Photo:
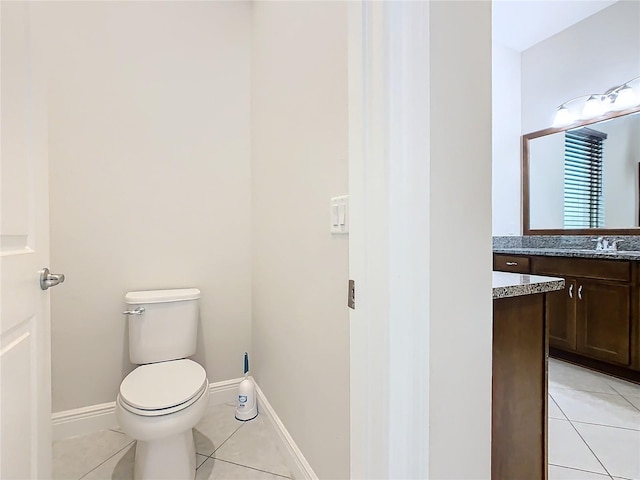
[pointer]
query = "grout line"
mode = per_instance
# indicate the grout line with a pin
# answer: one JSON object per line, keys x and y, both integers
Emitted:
{"x": 607, "y": 426}
{"x": 220, "y": 446}
{"x": 585, "y": 442}
{"x": 632, "y": 404}
{"x": 117, "y": 431}
{"x": 580, "y": 470}
{"x": 556, "y": 403}
{"x": 252, "y": 468}
{"x": 589, "y": 447}
{"x": 105, "y": 461}
{"x": 205, "y": 457}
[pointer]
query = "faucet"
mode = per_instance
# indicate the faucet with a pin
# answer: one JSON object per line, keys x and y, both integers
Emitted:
{"x": 604, "y": 244}
{"x": 601, "y": 244}
{"x": 614, "y": 245}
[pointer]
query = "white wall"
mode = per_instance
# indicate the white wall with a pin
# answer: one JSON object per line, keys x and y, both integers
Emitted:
{"x": 590, "y": 57}
{"x": 150, "y": 179}
{"x": 506, "y": 130}
{"x": 300, "y": 272}
{"x": 460, "y": 242}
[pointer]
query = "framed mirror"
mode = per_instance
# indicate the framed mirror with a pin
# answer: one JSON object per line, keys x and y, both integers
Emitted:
{"x": 583, "y": 179}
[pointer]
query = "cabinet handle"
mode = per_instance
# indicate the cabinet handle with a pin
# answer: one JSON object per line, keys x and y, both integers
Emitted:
{"x": 571, "y": 291}
{"x": 512, "y": 264}
{"x": 580, "y": 292}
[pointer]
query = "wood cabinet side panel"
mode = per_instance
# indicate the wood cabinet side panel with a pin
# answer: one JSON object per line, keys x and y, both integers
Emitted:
{"x": 519, "y": 388}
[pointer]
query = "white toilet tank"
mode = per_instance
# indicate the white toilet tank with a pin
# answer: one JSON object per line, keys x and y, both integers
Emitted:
{"x": 168, "y": 328}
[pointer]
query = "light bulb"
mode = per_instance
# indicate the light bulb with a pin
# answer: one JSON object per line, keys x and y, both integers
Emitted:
{"x": 593, "y": 107}
{"x": 563, "y": 117}
{"x": 625, "y": 98}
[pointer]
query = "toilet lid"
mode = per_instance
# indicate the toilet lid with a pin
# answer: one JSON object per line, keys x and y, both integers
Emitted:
{"x": 158, "y": 386}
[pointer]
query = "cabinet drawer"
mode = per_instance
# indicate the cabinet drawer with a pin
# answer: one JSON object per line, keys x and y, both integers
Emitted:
{"x": 511, "y": 263}
{"x": 582, "y": 267}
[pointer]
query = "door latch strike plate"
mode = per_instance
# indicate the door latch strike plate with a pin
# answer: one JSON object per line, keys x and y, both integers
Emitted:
{"x": 351, "y": 301}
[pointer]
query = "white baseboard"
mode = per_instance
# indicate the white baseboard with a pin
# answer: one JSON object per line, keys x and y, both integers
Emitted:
{"x": 297, "y": 464}
{"x": 81, "y": 421}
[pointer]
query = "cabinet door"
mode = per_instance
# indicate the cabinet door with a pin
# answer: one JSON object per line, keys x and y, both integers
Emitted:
{"x": 560, "y": 312}
{"x": 604, "y": 320}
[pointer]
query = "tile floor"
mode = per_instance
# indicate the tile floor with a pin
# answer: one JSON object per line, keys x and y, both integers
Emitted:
{"x": 594, "y": 434}
{"x": 226, "y": 449}
{"x": 594, "y": 425}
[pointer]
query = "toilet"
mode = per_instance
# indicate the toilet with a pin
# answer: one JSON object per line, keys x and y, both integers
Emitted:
{"x": 167, "y": 394}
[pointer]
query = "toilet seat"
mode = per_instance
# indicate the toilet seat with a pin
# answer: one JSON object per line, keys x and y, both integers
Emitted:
{"x": 163, "y": 388}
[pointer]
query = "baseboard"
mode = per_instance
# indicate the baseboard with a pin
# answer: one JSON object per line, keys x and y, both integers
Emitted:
{"x": 297, "y": 464}
{"x": 85, "y": 420}
{"x": 81, "y": 421}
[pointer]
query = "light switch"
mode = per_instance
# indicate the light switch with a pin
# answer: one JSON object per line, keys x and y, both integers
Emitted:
{"x": 334, "y": 216}
{"x": 340, "y": 214}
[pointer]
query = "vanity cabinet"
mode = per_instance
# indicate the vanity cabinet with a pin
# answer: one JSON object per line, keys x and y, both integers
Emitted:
{"x": 603, "y": 321}
{"x": 560, "y": 311}
{"x": 594, "y": 319}
{"x": 511, "y": 263}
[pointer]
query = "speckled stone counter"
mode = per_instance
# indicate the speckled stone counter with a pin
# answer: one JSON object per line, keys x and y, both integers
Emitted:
{"x": 516, "y": 284}
{"x": 577, "y": 246}
{"x": 572, "y": 252}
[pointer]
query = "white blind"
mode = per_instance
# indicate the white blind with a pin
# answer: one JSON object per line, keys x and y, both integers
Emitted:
{"x": 583, "y": 158}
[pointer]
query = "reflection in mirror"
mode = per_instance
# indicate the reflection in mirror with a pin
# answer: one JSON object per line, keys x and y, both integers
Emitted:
{"x": 584, "y": 178}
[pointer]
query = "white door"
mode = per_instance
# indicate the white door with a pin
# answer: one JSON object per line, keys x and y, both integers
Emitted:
{"x": 25, "y": 365}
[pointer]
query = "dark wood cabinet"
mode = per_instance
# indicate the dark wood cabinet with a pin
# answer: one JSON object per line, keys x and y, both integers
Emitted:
{"x": 595, "y": 319}
{"x": 511, "y": 263}
{"x": 560, "y": 311}
{"x": 603, "y": 315}
{"x": 519, "y": 388}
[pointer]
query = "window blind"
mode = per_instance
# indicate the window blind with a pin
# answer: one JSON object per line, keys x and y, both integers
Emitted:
{"x": 583, "y": 158}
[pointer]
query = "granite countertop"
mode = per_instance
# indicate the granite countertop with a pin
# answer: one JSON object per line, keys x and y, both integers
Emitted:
{"x": 571, "y": 252}
{"x": 516, "y": 284}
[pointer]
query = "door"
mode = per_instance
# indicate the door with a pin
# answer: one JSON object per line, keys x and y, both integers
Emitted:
{"x": 25, "y": 379}
{"x": 604, "y": 321}
{"x": 560, "y": 311}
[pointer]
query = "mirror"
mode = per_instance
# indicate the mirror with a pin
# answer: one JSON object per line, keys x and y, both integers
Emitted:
{"x": 550, "y": 179}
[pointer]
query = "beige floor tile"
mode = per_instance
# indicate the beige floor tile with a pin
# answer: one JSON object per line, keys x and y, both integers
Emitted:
{"x": 597, "y": 408}
{"x": 76, "y": 456}
{"x": 635, "y": 401}
{"x": 254, "y": 446}
{"x": 623, "y": 387}
{"x": 218, "y": 424}
{"x": 618, "y": 449}
{"x": 553, "y": 410}
{"x": 566, "y": 448}
{"x": 565, "y": 473}
{"x": 567, "y": 376}
{"x": 118, "y": 467}
{"x": 215, "y": 469}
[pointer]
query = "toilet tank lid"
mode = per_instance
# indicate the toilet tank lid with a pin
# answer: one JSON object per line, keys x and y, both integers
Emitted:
{"x": 161, "y": 296}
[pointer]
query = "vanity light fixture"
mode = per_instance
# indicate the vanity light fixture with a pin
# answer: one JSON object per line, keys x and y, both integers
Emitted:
{"x": 616, "y": 98}
{"x": 625, "y": 98}
{"x": 593, "y": 107}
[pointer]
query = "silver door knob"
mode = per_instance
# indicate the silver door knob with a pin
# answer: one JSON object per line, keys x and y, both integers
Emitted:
{"x": 137, "y": 311}
{"x": 48, "y": 279}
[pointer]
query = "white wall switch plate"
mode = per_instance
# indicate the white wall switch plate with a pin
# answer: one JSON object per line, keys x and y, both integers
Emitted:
{"x": 339, "y": 214}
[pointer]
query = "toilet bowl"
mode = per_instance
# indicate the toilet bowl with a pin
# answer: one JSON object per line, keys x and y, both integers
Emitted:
{"x": 158, "y": 405}
{"x": 161, "y": 400}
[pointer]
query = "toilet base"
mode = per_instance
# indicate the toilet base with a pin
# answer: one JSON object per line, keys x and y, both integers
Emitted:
{"x": 168, "y": 458}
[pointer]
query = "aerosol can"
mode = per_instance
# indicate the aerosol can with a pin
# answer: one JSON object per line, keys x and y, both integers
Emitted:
{"x": 247, "y": 408}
